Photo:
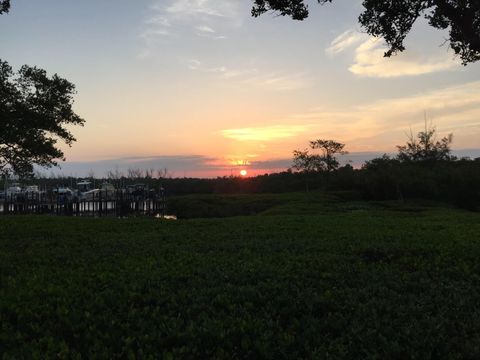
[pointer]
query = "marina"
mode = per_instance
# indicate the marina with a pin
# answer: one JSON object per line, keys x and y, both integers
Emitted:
{"x": 83, "y": 200}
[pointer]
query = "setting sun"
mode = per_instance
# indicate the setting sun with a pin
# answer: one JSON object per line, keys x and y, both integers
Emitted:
{"x": 243, "y": 172}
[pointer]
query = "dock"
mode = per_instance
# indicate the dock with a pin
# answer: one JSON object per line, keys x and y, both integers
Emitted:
{"x": 117, "y": 203}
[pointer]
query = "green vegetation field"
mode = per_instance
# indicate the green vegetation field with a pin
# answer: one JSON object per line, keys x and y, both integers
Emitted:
{"x": 305, "y": 278}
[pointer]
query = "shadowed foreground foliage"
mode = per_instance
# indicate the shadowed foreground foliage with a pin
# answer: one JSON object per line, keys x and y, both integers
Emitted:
{"x": 343, "y": 282}
{"x": 36, "y": 114}
{"x": 4, "y": 6}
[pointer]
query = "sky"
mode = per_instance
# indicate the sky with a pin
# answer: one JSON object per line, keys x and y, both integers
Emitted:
{"x": 201, "y": 88}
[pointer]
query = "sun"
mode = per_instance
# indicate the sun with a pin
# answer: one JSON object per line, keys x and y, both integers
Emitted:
{"x": 243, "y": 173}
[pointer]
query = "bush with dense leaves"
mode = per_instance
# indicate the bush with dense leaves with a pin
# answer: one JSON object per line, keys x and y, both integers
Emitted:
{"x": 348, "y": 282}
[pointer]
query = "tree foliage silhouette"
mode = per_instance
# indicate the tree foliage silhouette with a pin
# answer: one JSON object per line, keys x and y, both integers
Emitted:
{"x": 426, "y": 148}
{"x": 325, "y": 161}
{"x": 35, "y": 112}
{"x": 4, "y": 6}
{"x": 393, "y": 20}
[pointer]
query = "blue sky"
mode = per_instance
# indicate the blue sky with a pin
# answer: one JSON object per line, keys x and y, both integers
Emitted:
{"x": 163, "y": 81}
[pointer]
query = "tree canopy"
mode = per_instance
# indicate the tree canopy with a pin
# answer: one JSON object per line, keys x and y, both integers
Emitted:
{"x": 35, "y": 111}
{"x": 426, "y": 148}
{"x": 325, "y": 161}
{"x": 4, "y": 6}
{"x": 392, "y": 20}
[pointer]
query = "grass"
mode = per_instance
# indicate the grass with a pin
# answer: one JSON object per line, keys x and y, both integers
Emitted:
{"x": 304, "y": 279}
{"x": 220, "y": 206}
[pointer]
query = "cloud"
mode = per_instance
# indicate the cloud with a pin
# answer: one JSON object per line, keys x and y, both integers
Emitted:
{"x": 159, "y": 21}
{"x": 369, "y": 60}
{"x": 194, "y": 64}
{"x": 344, "y": 41}
{"x": 382, "y": 124}
{"x": 177, "y": 165}
{"x": 195, "y": 8}
{"x": 272, "y": 164}
{"x": 203, "y": 18}
{"x": 266, "y": 133}
{"x": 204, "y": 29}
{"x": 279, "y": 81}
{"x": 251, "y": 76}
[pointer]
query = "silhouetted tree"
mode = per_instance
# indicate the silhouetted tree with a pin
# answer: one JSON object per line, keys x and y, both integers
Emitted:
{"x": 383, "y": 162}
{"x": 426, "y": 148}
{"x": 4, "y": 6}
{"x": 326, "y": 161}
{"x": 115, "y": 174}
{"x": 149, "y": 173}
{"x": 134, "y": 173}
{"x": 306, "y": 162}
{"x": 163, "y": 173}
{"x": 35, "y": 112}
{"x": 393, "y": 20}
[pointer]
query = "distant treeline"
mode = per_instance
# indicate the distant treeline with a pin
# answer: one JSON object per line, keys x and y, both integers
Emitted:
{"x": 455, "y": 182}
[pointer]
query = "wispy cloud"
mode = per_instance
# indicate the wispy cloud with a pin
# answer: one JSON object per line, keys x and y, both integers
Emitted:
{"x": 194, "y": 8}
{"x": 383, "y": 123}
{"x": 279, "y": 81}
{"x": 369, "y": 60}
{"x": 252, "y": 76}
{"x": 177, "y": 165}
{"x": 344, "y": 41}
{"x": 203, "y": 18}
{"x": 379, "y": 125}
{"x": 266, "y": 133}
{"x": 193, "y": 64}
{"x": 204, "y": 29}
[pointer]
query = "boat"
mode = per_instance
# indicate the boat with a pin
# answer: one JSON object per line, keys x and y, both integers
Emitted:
{"x": 106, "y": 192}
{"x": 84, "y": 186}
{"x": 32, "y": 192}
{"x": 13, "y": 191}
